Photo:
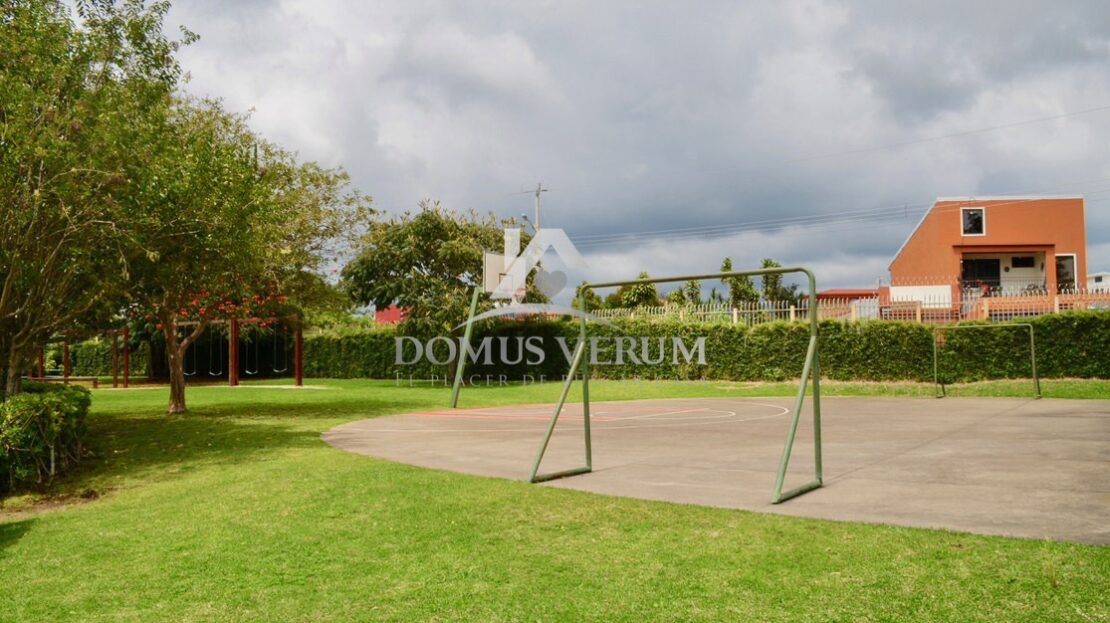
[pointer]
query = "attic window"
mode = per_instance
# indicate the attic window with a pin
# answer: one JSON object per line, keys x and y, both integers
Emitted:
{"x": 974, "y": 221}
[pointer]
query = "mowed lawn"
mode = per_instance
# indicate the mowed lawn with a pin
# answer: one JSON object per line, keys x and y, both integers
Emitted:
{"x": 238, "y": 512}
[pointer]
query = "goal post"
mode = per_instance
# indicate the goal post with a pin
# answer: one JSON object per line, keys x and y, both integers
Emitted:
{"x": 810, "y": 373}
{"x": 939, "y": 331}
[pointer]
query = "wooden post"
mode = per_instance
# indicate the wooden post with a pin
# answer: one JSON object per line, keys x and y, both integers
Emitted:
{"x": 65, "y": 362}
{"x": 853, "y": 306}
{"x": 298, "y": 356}
{"x": 735, "y": 315}
{"x": 126, "y": 357}
{"x": 1056, "y": 304}
{"x": 793, "y": 311}
{"x": 115, "y": 359}
{"x": 233, "y": 353}
{"x": 917, "y": 311}
{"x": 42, "y": 368}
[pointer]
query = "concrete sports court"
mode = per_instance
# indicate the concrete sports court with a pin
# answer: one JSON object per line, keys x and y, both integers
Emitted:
{"x": 1015, "y": 467}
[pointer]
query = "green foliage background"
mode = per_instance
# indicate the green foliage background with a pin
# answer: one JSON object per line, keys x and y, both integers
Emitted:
{"x": 1074, "y": 344}
{"x": 94, "y": 358}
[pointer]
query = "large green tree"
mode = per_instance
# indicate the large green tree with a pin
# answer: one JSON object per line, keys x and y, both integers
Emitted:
{"x": 225, "y": 225}
{"x": 640, "y": 294}
{"x": 69, "y": 95}
{"x": 427, "y": 262}
{"x": 741, "y": 290}
{"x": 774, "y": 289}
{"x": 121, "y": 198}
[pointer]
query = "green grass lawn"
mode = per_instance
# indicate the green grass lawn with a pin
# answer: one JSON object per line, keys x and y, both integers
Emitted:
{"x": 238, "y": 512}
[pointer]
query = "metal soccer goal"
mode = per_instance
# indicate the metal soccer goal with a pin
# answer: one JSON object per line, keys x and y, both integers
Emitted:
{"x": 580, "y": 363}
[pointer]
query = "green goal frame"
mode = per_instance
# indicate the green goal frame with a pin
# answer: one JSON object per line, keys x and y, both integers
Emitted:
{"x": 937, "y": 331}
{"x": 810, "y": 373}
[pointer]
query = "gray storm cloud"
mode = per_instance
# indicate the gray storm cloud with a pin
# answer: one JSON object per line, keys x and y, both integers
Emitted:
{"x": 650, "y": 117}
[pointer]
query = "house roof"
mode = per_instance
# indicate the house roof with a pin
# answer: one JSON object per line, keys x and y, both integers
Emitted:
{"x": 847, "y": 293}
{"x": 1006, "y": 197}
{"x": 968, "y": 200}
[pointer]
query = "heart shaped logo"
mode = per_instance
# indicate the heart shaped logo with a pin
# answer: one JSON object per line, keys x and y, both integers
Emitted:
{"x": 551, "y": 283}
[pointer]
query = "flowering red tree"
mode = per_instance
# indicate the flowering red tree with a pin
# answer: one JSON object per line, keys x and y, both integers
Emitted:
{"x": 225, "y": 226}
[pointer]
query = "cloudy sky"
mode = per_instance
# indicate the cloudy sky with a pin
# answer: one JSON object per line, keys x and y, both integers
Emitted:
{"x": 812, "y": 132}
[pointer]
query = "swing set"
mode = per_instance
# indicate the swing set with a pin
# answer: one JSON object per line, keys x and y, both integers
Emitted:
{"x": 243, "y": 352}
{"x": 254, "y": 345}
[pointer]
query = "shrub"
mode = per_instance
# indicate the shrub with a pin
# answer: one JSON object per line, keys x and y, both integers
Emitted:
{"x": 40, "y": 433}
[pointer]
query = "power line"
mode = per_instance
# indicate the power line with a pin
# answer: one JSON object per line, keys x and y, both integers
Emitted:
{"x": 883, "y": 215}
{"x": 823, "y": 226}
{"x": 768, "y": 222}
{"x": 942, "y": 137}
{"x": 904, "y": 208}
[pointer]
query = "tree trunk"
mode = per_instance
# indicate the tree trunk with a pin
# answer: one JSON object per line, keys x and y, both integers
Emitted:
{"x": 13, "y": 382}
{"x": 175, "y": 360}
{"x": 13, "y": 377}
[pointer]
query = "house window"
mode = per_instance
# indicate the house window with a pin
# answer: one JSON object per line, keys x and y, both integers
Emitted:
{"x": 974, "y": 221}
{"x": 1065, "y": 271}
{"x": 1025, "y": 261}
{"x": 1098, "y": 279}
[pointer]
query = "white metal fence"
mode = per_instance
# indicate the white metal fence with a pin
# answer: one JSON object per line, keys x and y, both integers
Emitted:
{"x": 960, "y": 304}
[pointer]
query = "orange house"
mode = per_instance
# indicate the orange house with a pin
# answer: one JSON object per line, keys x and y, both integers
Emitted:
{"x": 969, "y": 247}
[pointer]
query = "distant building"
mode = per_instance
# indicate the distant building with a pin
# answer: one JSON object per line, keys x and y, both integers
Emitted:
{"x": 969, "y": 247}
{"x": 1098, "y": 281}
{"x": 390, "y": 315}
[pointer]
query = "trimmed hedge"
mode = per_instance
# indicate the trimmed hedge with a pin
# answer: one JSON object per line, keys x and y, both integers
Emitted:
{"x": 94, "y": 358}
{"x": 1072, "y": 344}
{"x": 40, "y": 433}
{"x": 350, "y": 354}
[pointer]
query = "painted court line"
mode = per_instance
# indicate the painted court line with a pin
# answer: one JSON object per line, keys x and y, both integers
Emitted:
{"x": 727, "y": 417}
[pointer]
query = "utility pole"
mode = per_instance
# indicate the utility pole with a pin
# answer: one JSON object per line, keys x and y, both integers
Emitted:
{"x": 539, "y": 189}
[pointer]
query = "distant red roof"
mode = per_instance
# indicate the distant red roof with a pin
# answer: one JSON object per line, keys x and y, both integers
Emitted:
{"x": 848, "y": 293}
{"x": 390, "y": 315}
